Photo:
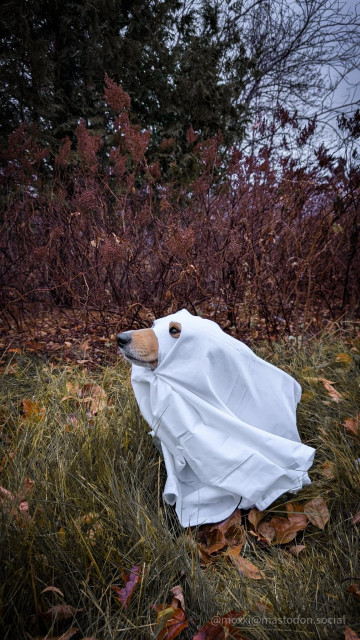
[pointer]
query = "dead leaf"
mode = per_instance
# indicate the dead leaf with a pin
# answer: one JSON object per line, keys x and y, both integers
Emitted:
{"x": 222, "y": 629}
{"x": 26, "y": 489}
{"x": 327, "y": 469}
{"x": 352, "y": 424}
{"x": 31, "y": 409}
{"x": 229, "y": 532}
{"x": 355, "y": 590}
{"x": 317, "y": 512}
{"x": 215, "y": 541}
{"x": 296, "y": 549}
{"x": 178, "y": 594}
{"x": 345, "y": 358}
{"x": 94, "y": 394}
{"x": 287, "y": 528}
{"x": 246, "y": 568}
{"x": 171, "y": 621}
{"x": 64, "y": 636}
{"x": 130, "y": 580}
{"x": 306, "y": 396}
{"x": 349, "y": 634}
{"x": 254, "y": 516}
{"x": 234, "y": 519}
{"x": 328, "y": 384}
{"x": 19, "y": 508}
{"x": 267, "y": 531}
{"x": 60, "y": 612}
{"x": 236, "y": 536}
{"x": 356, "y": 518}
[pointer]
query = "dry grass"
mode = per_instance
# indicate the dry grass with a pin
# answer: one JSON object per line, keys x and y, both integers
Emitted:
{"x": 96, "y": 510}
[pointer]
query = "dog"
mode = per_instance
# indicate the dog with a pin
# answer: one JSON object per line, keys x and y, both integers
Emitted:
{"x": 225, "y": 418}
{"x": 141, "y": 346}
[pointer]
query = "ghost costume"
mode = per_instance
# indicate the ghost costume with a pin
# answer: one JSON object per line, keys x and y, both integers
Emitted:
{"x": 226, "y": 420}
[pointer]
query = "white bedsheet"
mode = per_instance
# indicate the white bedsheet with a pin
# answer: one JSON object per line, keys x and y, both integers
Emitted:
{"x": 226, "y": 420}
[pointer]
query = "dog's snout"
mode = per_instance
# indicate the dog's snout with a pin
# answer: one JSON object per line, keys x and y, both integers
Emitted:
{"x": 123, "y": 338}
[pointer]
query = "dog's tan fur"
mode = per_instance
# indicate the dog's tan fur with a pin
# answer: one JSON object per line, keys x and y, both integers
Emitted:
{"x": 142, "y": 346}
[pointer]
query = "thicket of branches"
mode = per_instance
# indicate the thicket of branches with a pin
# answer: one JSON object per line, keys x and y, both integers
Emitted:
{"x": 248, "y": 238}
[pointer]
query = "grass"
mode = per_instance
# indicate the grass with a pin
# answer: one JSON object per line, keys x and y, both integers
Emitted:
{"x": 96, "y": 510}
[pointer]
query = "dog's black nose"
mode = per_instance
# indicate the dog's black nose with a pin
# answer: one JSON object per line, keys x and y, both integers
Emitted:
{"x": 123, "y": 338}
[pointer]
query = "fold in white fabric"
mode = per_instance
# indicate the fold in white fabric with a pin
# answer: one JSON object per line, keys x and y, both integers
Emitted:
{"x": 226, "y": 420}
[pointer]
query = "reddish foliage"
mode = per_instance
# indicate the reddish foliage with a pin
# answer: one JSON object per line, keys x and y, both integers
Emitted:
{"x": 258, "y": 242}
{"x": 221, "y": 628}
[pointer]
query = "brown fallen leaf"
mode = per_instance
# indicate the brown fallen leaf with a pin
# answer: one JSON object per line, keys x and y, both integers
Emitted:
{"x": 296, "y": 549}
{"x": 254, "y": 516}
{"x": 236, "y": 536}
{"x": 267, "y": 531}
{"x": 215, "y": 540}
{"x": 356, "y": 518}
{"x": 349, "y": 634}
{"x": 94, "y": 394}
{"x": 328, "y": 384}
{"x": 59, "y": 612}
{"x": 355, "y": 590}
{"x": 327, "y": 469}
{"x": 229, "y": 532}
{"x": 124, "y": 595}
{"x": 245, "y": 567}
{"x": 285, "y": 528}
{"x": 352, "y": 424}
{"x": 26, "y": 489}
{"x": 171, "y": 620}
{"x": 222, "y": 629}
{"x": 317, "y": 512}
{"x": 64, "y": 636}
{"x": 31, "y": 409}
{"x": 13, "y": 505}
{"x": 178, "y": 594}
{"x": 234, "y": 519}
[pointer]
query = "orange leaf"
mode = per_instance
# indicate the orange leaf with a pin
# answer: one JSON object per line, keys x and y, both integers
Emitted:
{"x": 130, "y": 580}
{"x": 31, "y": 409}
{"x": 352, "y": 424}
{"x": 345, "y": 358}
{"x": 328, "y": 384}
{"x": 317, "y": 512}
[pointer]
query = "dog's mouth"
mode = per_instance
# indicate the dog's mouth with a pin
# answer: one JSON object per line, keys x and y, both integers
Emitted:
{"x": 137, "y": 361}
